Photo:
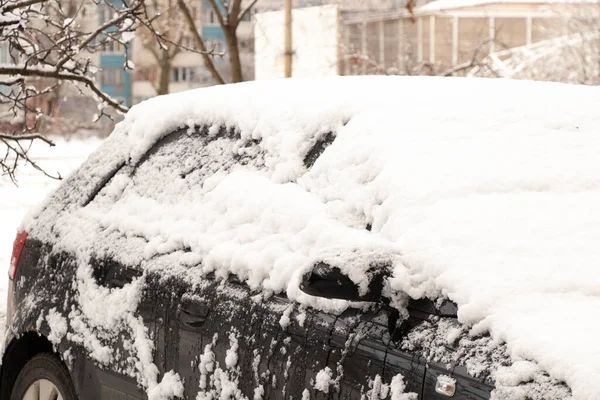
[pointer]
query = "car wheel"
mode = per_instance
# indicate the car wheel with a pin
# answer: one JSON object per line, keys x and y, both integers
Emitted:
{"x": 44, "y": 377}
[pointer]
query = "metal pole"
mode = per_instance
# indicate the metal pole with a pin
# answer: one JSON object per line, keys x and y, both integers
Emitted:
{"x": 363, "y": 47}
{"x": 492, "y": 39}
{"x": 401, "y": 44}
{"x": 419, "y": 39}
{"x": 454, "y": 41}
{"x": 432, "y": 38}
{"x": 382, "y": 43}
{"x": 346, "y": 29}
{"x": 529, "y": 37}
{"x": 288, "y": 39}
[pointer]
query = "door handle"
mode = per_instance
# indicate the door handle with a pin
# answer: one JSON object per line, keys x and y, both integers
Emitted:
{"x": 193, "y": 313}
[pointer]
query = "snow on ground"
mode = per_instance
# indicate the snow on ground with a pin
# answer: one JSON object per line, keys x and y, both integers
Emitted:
{"x": 33, "y": 188}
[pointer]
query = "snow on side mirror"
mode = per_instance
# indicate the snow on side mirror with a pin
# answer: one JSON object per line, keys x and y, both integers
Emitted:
{"x": 331, "y": 283}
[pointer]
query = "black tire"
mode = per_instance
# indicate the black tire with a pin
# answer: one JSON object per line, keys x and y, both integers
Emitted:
{"x": 44, "y": 366}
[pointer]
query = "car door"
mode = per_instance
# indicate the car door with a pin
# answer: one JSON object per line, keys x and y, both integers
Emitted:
{"x": 223, "y": 339}
{"x": 234, "y": 342}
{"x": 370, "y": 360}
{"x": 176, "y": 310}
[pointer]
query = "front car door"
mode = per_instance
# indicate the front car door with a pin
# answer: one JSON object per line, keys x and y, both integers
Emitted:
{"x": 227, "y": 341}
{"x": 242, "y": 345}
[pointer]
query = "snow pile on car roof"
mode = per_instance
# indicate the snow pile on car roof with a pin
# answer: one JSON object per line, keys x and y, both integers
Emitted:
{"x": 483, "y": 191}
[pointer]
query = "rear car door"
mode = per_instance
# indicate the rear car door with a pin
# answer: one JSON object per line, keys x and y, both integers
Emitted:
{"x": 51, "y": 274}
{"x": 111, "y": 269}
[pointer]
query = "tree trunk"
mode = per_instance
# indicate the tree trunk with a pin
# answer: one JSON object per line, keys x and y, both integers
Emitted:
{"x": 164, "y": 74}
{"x": 234, "y": 55}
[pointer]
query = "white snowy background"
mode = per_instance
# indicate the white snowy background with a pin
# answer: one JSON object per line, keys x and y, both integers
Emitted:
{"x": 33, "y": 186}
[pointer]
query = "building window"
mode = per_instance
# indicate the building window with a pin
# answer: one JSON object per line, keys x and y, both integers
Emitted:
{"x": 113, "y": 46}
{"x": 211, "y": 18}
{"x": 145, "y": 74}
{"x": 111, "y": 76}
{"x": 5, "y": 55}
{"x": 105, "y": 14}
{"x": 188, "y": 42}
{"x": 185, "y": 75}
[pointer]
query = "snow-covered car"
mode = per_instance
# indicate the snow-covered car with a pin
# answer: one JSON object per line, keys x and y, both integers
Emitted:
{"x": 349, "y": 238}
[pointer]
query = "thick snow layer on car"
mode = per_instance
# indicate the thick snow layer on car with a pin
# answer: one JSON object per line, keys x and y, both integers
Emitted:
{"x": 483, "y": 191}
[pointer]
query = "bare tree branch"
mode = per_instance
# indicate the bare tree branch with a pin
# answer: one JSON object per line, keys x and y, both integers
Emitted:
{"x": 27, "y": 137}
{"x": 51, "y": 45}
{"x": 19, "y": 4}
{"x": 16, "y": 153}
{"x": 23, "y": 71}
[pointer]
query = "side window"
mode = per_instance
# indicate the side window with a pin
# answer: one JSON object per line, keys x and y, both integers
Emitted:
{"x": 184, "y": 160}
{"x": 164, "y": 171}
{"x": 181, "y": 162}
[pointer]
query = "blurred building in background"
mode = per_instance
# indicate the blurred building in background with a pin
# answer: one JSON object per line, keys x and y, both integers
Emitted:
{"x": 555, "y": 40}
{"x": 185, "y": 67}
{"x": 493, "y": 38}
{"x": 187, "y": 70}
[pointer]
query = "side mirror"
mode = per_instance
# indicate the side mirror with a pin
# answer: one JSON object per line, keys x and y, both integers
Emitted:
{"x": 329, "y": 282}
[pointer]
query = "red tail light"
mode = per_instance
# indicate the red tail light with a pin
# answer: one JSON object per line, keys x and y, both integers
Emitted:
{"x": 16, "y": 253}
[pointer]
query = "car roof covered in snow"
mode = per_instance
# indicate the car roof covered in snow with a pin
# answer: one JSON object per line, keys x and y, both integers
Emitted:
{"x": 483, "y": 191}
